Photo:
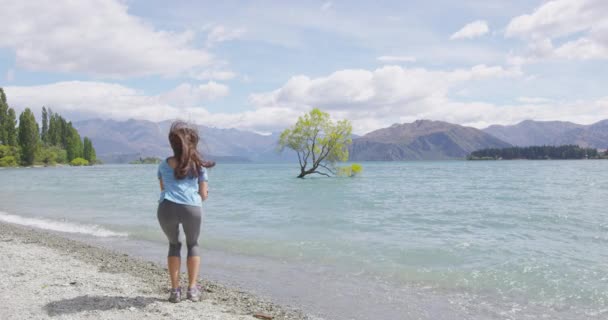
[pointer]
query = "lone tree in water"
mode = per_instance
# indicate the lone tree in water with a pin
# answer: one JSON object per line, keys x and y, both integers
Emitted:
{"x": 318, "y": 142}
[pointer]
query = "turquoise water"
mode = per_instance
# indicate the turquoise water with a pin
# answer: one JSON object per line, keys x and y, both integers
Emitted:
{"x": 505, "y": 232}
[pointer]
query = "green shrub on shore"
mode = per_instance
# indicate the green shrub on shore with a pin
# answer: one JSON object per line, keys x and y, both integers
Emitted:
{"x": 9, "y": 156}
{"x": 8, "y": 161}
{"x": 46, "y": 157}
{"x": 77, "y": 162}
{"x": 50, "y": 156}
{"x": 8, "y": 151}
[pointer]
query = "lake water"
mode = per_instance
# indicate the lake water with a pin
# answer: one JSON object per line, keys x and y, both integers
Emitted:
{"x": 405, "y": 240}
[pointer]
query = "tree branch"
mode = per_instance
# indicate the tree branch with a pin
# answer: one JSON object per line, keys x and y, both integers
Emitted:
{"x": 327, "y": 168}
{"x": 330, "y": 145}
{"x": 299, "y": 158}
{"x": 323, "y": 173}
{"x": 309, "y": 149}
{"x": 321, "y": 156}
{"x": 314, "y": 140}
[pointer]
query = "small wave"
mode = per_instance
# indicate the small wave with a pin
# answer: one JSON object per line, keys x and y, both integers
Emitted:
{"x": 60, "y": 226}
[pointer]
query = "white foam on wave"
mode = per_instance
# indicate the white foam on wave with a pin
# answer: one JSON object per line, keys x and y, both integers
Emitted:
{"x": 60, "y": 226}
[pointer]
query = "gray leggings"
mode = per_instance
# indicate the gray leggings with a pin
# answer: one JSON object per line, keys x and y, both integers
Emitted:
{"x": 170, "y": 215}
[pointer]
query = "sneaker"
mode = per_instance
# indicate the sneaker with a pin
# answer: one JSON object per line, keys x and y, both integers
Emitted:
{"x": 176, "y": 295}
{"x": 194, "y": 294}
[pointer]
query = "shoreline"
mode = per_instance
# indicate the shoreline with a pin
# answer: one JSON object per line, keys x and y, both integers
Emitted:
{"x": 147, "y": 280}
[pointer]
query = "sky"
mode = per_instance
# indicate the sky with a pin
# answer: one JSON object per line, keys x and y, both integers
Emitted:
{"x": 258, "y": 65}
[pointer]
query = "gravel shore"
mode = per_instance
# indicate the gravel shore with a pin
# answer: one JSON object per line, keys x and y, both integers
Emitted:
{"x": 44, "y": 275}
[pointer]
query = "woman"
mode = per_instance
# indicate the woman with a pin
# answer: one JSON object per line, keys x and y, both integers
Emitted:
{"x": 183, "y": 185}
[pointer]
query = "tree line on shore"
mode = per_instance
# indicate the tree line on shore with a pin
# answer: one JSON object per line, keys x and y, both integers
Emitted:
{"x": 565, "y": 152}
{"x": 147, "y": 160}
{"x": 25, "y": 143}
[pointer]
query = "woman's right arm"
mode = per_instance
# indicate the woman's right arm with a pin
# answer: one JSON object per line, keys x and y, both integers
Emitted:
{"x": 160, "y": 178}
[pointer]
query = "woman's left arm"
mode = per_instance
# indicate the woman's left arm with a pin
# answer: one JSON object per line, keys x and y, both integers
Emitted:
{"x": 203, "y": 186}
{"x": 203, "y": 190}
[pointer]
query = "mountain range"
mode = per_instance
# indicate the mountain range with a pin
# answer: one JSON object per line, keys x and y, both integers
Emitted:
{"x": 422, "y": 140}
{"x": 530, "y": 133}
{"x": 124, "y": 141}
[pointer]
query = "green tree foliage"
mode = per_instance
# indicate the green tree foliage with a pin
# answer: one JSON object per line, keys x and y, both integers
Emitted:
{"x": 50, "y": 155}
{"x": 29, "y": 137}
{"x": 9, "y": 156}
{"x": 56, "y": 152}
{"x": 8, "y": 122}
{"x": 45, "y": 156}
{"x": 73, "y": 144}
{"x": 536, "y": 153}
{"x": 10, "y": 128}
{"x": 45, "y": 126}
{"x": 318, "y": 142}
{"x": 79, "y": 162}
{"x": 58, "y": 131}
{"x": 89, "y": 151}
{"x": 53, "y": 134}
{"x": 61, "y": 141}
{"x": 3, "y": 116}
{"x": 8, "y": 161}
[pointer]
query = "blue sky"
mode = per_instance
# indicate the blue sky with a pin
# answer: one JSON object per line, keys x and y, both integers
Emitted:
{"x": 257, "y": 65}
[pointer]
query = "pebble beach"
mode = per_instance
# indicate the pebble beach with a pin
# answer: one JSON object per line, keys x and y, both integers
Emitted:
{"x": 45, "y": 275}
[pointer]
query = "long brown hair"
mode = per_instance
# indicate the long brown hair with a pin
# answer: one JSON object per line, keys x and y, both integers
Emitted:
{"x": 184, "y": 138}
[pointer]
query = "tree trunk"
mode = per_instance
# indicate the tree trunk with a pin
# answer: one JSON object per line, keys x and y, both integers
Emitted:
{"x": 302, "y": 173}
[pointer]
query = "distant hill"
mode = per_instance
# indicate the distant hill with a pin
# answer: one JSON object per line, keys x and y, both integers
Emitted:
{"x": 136, "y": 137}
{"x": 125, "y": 141}
{"x": 530, "y": 133}
{"x": 591, "y": 136}
{"x": 422, "y": 140}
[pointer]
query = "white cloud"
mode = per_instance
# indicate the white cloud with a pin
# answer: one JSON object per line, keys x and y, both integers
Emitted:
{"x": 580, "y": 27}
{"x": 114, "y": 100}
{"x": 471, "y": 30}
{"x": 97, "y": 37}
{"x": 326, "y": 6}
{"x": 221, "y": 75}
{"x": 390, "y": 94}
{"x": 91, "y": 98}
{"x": 88, "y": 99}
{"x": 220, "y": 33}
{"x": 584, "y": 49}
{"x": 553, "y": 19}
{"x": 186, "y": 95}
{"x": 397, "y": 59}
{"x": 370, "y": 99}
{"x": 533, "y": 100}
